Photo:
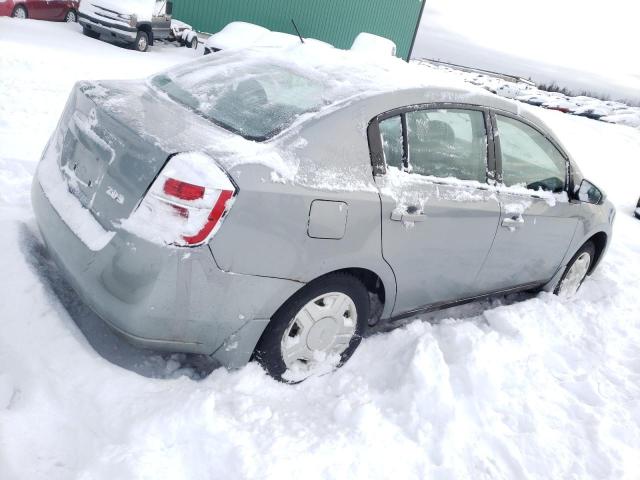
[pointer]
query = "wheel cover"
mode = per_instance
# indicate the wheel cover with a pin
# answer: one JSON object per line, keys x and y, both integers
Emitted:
{"x": 320, "y": 331}
{"x": 575, "y": 275}
{"x": 20, "y": 13}
{"x": 71, "y": 17}
{"x": 142, "y": 43}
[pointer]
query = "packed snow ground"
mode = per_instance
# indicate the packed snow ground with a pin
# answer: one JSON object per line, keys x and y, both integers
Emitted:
{"x": 518, "y": 387}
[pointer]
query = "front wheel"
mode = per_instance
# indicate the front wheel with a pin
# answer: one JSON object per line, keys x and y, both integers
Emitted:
{"x": 20, "y": 12}
{"x": 315, "y": 331}
{"x": 71, "y": 17}
{"x": 576, "y": 271}
{"x": 142, "y": 42}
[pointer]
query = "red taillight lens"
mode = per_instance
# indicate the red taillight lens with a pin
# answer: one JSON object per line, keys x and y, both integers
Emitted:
{"x": 214, "y": 217}
{"x": 186, "y": 204}
{"x": 183, "y": 190}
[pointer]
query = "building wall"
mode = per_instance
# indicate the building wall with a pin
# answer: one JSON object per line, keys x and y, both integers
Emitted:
{"x": 334, "y": 21}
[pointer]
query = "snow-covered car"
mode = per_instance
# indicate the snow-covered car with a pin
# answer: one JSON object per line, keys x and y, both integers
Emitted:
{"x": 58, "y": 10}
{"x": 561, "y": 104}
{"x": 138, "y": 23}
{"x": 238, "y": 35}
{"x": 234, "y": 35}
{"x": 513, "y": 90}
{"x": 629, "y": 117}
{"x": 284, "y": 40}
{"x": 594, "y": 111}
{"x": 307, "y": 201}
{"x": 536, "y": 99}
{"x": 369, "y": 44}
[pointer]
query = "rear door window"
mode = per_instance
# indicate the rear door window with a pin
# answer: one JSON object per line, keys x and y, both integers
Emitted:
{"x": 449, "y": 143}
{"x": 391, "y": 136}
{"x": 528, "y": 158}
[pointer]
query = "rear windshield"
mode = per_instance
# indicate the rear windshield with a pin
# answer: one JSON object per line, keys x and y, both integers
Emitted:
{"x": 256, "y": 101}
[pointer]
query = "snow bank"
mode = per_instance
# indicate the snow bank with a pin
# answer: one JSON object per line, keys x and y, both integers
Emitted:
{"x": 520, "y": 387}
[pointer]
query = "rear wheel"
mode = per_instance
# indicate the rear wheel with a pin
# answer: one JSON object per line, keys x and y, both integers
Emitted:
{"x": 142, "y": 41}
{"x": 193, "y": 43}
{"x": 71, "y": 17}
{"x": 316, "y": 331}
{"x": 20, "y": 12}
{"x": 576, "y": 271}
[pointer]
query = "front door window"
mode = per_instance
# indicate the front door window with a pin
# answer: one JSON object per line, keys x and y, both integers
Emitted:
{"x": 528, "y": 158}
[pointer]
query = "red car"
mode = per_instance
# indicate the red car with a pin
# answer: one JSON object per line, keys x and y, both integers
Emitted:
{"x": 61, "y": 10}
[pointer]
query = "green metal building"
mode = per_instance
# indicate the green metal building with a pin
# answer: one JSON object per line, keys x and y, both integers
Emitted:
{"x": 334, "y": 21}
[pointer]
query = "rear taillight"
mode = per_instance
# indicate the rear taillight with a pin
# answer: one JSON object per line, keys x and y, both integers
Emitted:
{"x": 186, "y": 204}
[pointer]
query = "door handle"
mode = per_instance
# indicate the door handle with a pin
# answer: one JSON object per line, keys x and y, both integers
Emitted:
{"x": 397, "y": 216}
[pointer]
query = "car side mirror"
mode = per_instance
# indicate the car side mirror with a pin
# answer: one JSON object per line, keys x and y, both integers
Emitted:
{"x": 169, "y": 8}
{"x": 589, "y": 193}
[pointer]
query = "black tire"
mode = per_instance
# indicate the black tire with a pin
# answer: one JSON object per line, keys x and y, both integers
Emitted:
{"x": 71, "y": 17}
{"x": 90, "y": 33}
{"x": 142, "y": 41}
{"x": 193, "y": 43}
{"x": 637, "y": 211}
{"x": 268, "y": 350}
{"x": 20, "y": 12}
{"x": 589, "y": 248}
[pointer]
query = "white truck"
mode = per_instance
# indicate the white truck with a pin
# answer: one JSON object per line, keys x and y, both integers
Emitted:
{"x": 138, "y": 23}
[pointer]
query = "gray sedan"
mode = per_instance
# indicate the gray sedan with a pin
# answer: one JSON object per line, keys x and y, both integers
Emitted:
{"x": 277, "y": 208}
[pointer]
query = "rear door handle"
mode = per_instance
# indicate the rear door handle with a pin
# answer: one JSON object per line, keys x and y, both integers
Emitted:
{"x": 407, "y": 217}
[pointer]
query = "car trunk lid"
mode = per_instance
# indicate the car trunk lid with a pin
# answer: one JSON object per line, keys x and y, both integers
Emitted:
{"x": 113, "y": 140}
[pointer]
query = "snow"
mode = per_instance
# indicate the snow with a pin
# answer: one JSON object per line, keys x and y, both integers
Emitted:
{"x": 527, "y": 386}
{"x": 144, "y": 10}
{"x": 77, "y": 218}
{"x": 375, "y": 45}
{"x": 157, "y": 219}
{"x": 605, "y": 110}
{"x": 236, "y": 35}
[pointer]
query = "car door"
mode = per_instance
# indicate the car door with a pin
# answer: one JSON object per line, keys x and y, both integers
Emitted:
{"x": 439, "y": 217}
{"x": 537, "y": 222}
{"x": 37, "y": 9}
{"x": 56, "y": 9}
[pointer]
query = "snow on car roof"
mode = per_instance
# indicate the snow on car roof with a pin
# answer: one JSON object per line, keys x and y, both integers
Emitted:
{"x": 236, "y": 35}
{"x": 344, "y": 71}
{"x": 370, "y": 44}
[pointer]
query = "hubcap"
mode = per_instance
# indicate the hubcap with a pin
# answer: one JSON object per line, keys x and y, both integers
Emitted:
{"x": 71, "y": 17}
{"x": 574, "y": 277}
{"x": 20, "y": 13}
{"x": 321, "y": 330}
{"x": 142, "y": 43}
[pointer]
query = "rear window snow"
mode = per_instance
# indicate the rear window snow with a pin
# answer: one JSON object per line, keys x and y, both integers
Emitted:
{"x": 255, "y": 100}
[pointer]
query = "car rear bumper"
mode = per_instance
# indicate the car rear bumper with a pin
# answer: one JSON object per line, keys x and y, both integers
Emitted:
{"x": 111, "y": 30}
{"x": 164, "y": 298}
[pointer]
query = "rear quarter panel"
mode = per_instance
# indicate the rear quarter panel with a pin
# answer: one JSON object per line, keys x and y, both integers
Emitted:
{"x": 266, "y": 232}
